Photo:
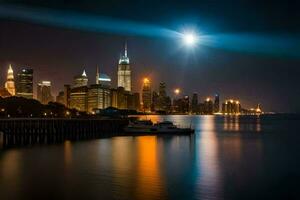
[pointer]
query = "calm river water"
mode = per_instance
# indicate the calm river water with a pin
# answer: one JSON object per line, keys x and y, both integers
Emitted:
{"x": 227, "y": 158}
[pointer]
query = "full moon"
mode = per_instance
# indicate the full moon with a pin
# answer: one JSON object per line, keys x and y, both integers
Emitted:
{"x": 190, "y": 39}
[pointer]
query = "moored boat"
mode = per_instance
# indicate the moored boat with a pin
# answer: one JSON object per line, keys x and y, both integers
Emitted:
{"x": 147, "y": 127}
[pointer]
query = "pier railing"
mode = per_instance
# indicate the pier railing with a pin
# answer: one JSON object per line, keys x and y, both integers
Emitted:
{"x": 23, "y": 131}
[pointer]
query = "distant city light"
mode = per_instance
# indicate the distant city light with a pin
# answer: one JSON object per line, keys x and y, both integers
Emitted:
{"x": 177, "y": 91}
{"x": 146, "y": 80}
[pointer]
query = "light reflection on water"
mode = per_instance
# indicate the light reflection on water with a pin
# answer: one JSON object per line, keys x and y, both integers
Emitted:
{"x": 225, "y": 159}
{"x": 207, "y": 161}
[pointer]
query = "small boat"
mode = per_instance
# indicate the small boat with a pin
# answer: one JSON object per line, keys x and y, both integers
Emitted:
{"x": 147, "y": 127}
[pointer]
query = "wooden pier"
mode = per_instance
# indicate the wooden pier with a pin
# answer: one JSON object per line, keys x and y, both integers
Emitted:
{"x": 28, "y": 131}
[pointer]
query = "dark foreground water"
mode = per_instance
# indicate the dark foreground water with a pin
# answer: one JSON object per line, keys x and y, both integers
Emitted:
{"x": 227, "y": 158}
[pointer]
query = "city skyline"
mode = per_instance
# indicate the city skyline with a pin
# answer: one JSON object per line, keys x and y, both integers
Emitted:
{"x": 149, "y": 99}
{"x": 251, "y": 76}
{"x": 99, "y": 95}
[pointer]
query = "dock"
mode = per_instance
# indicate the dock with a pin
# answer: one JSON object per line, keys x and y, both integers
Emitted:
{"x": 28, "y": 131}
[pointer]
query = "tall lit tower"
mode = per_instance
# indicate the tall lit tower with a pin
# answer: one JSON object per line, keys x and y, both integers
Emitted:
{"x": 146, "y": 95}
{"x": 217, "y": 103}
{"x": 97, "y": 75}
{"x": 10, "y": 83}
{"x": 124, "y": 72}
{"x": 81, "y": 80}
{"x": 25, "y": 83}
{"x": 44, "y": 92}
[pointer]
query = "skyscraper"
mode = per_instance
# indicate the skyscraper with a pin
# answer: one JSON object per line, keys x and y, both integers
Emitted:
{"x": 60, "y": 97}
{"x": 79, "y": 93}
{"x": 10, "y": 83}
{"x": 164, "y": 102}
{"x": 124, "y": 72}
{"x": 97, "y": 75}
{"x": 208, "y": 106}
{"x": 25, "y": 83}
{"x": 194, "y": 105}
{"x": 217, "y": 103}
{"x": 78, "y": 98}
{"x": 98, "y": 97}
{"x": 146, "y": 95}
{"x": 81, "y": 80}
{"x": 118, "y": 98}
{"x": 44, "y": 92}
{"x": 231, "y": 107}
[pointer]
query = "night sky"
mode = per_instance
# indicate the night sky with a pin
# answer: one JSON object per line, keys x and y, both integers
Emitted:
{"x": 263, "y": 68}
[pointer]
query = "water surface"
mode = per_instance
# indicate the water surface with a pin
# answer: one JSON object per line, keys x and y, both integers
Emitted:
{"x": 227, "y": 158}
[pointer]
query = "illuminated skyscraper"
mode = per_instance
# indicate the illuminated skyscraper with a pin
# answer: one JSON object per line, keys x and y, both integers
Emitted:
{"x": 78, "y": 98}
{"x": 10, "y": 83}
{"x": 217, "y": 103}
{"x": 97, "y": 75}
{"x": 208, "y": 106}
{"x": 194, "y": 104}
{"x": 231, "y": 107}
{"x": 98, "y": 97}
{"x": 118, "y": 98}
{"x": 124, "y": 72}
{"x": 146, "y": 95}
{"x": 79, "y": 93}
{"x": 60, "y": 97}
{"x": 164, "y": 102}
{"x": 44, "y": 92}
{"x": 81, "y": 80}
{"x": 25, "y": 83}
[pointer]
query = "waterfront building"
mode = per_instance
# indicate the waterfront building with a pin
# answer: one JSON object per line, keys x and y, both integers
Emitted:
{"x": 78, "y": 98}
{"x": 146, "y": 95}
{"x": 133, "y": 101}
{"x": 10, "y": 83}
{"x": 201, "y": 108}
{"x": 114, "y": 98}
{"x": 186, "y": 104}
{"x": 122, "y": 99}
{"x": 118, "y": 98}
{"x": 124, "y": 71}
{"x": 60, "y": 97}
{"x": 253, "y": 111}
{"x": 194, "y": 104}
{"x": 217, "y": 103}
{"x": 24, "y": 84}
{"x": 155, "y": 101}
{"x": 99, "y": 97}
{"x": 79, "y": 93}
{"x": 44, "y": 92}
{"x": 136, "y": 101}
{"x": 208, "y": 106}
{"x": 231, "y": 107}
{"x": 81, "y": 80}
{"x": 164, "y": 102}
{"x": 181, "y": 105}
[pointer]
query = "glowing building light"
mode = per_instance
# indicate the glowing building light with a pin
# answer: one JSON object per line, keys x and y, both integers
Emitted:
{"x": 177, "y": 91}
{"x": 146, "y": 80}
